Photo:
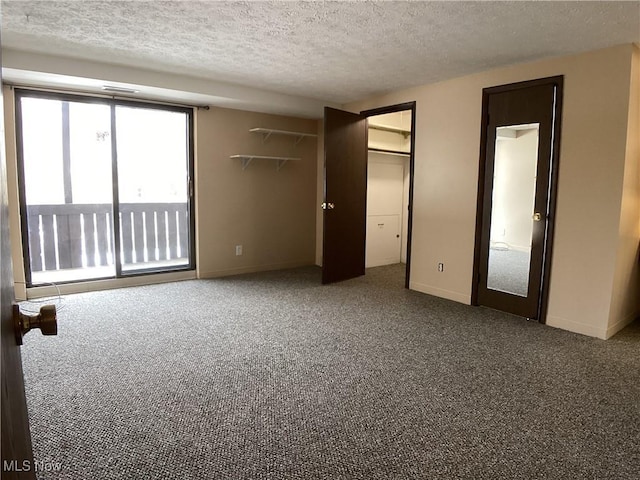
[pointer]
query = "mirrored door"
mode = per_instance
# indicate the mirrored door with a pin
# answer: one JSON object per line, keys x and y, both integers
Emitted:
{"x": 516, "y": 201}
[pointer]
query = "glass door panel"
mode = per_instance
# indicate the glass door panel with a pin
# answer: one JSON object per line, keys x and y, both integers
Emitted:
{"x": 66, "y": 160}
{"x": 153, "y": 175}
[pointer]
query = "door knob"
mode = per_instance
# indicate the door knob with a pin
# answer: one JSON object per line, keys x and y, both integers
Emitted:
{"x": 537, "y": 217}
{"x": 328, "y": 206}
{"x": 46, "y": 321}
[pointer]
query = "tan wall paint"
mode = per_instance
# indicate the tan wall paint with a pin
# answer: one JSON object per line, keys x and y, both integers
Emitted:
{"x": 68, "y": 73}
{"x": 270, "y": 213}
{"x": 625, "y": 305}
{"x": 592, "y": 160}
{"x": 12, "y": 190}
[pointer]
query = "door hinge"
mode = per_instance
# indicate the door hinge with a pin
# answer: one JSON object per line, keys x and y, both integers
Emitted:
{"x": 327, "y": 206}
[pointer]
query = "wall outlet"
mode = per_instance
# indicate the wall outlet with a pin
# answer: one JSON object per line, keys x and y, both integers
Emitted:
{"x": 238, "y": 249}
{"x": 441, "y": 267}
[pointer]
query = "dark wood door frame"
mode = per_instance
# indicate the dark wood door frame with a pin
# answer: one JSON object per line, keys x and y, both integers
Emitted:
{"x": 402, "y": 107}
{"x": 558, "y": 82}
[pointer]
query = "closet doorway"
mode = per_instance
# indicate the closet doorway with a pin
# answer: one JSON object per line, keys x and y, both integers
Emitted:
{"x": 389, "y": 186}
{"x": 346, "y": 164}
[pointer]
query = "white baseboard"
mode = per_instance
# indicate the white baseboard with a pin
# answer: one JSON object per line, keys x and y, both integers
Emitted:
{"x": 379, "y": 262}
{"x": 440, "y": 292}
{"x": 616, "y": 327}
{"x": 508, "y": 246}
{"x": 577, "y": 327}
{"x": 225, "y": 272}
{"x": 519, "y": 248}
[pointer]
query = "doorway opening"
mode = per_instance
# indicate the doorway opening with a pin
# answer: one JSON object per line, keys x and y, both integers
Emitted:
{"x": 346, "y": 158}
{"x": 389, "y": 186}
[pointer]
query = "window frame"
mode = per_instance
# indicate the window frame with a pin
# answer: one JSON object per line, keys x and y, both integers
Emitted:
{"x": 112, "y": 102}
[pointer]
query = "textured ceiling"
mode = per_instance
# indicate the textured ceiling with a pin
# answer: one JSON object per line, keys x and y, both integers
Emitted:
{"x": 334, "y": 51}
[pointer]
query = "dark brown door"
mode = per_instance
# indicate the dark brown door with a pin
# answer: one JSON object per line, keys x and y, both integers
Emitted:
{"x": 520, "y": 148}
{"x": 17, "y": 456}
{"x": 345, "y": 195}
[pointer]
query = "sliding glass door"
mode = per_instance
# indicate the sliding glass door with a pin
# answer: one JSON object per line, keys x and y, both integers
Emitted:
{"x": 67, "y": 194}
{"x": 104, "y": 187}
{"x": 153, "y": 173}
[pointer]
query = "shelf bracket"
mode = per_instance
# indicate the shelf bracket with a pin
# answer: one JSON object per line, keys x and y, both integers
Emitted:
{"x": 265, "y": 137}
{"x": 245, "y": 162}
{"x": 247, "y": 159}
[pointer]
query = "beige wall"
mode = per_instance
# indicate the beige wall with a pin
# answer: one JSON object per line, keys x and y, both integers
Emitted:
{"x": 626, "y": 287}
{"x": 270, "y": 213}
{"x": 72, "y": 73}
{"x": 592, "y": 165}
{"x": 12, "y": 190}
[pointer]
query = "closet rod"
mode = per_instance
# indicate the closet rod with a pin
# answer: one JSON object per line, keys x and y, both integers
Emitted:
{"x": 389, "y": 152}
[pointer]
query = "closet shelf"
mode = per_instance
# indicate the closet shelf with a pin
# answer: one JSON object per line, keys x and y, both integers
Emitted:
{"x": 267, "y": 132}
{"x": 246, "y": 160}
{"x": 389, "y": 152}
{"x": 384, "y": 128}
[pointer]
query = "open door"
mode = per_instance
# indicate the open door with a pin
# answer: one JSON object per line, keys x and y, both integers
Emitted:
{"x": 345, "y": 195}
{"x": 17, "y": 455}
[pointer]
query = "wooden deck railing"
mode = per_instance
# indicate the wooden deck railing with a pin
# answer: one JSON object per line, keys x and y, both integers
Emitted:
{"x": 80, "y": 235}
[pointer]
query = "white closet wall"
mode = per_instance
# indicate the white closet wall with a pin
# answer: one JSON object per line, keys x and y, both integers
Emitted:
{"x": 388, "y": 190}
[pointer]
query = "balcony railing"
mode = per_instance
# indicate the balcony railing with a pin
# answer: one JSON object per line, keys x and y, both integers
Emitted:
{"x": 72, "y": 236}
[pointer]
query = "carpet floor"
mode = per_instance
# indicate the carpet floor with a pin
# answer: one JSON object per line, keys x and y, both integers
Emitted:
{"x": 274, "y": 376}
{"x": 509, "y": 271}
